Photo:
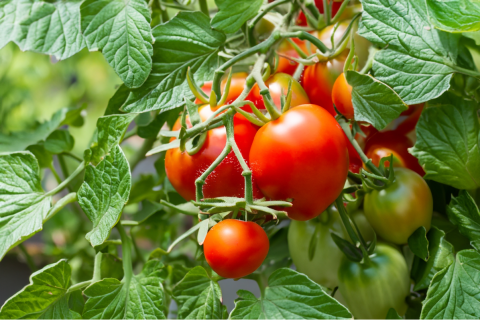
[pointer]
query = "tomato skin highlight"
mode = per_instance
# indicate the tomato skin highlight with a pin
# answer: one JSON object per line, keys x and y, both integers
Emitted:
{"x": 400, "y": 209}
{"x": 370, "y": 291}
{"x": 382, "y": 144}
{"x": 342, "y": 97}
{"x": 226, "y": 180}
{"x": 276, "y": 84}
{"x": 303, "y": 156}
{"x": 235, "y": 248}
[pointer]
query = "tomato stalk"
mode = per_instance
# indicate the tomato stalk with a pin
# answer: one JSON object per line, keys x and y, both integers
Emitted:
{"x": 267, "y": 99}
{"x": 126, "y": 255}
{"x": 31, "y": 264}
{"x": 97, "y": 267}
{"x": 342, "y": 8}
{"x": 204, "y": 7}
{"x": 264, "y": 11}
{"x": 65, "y": 182}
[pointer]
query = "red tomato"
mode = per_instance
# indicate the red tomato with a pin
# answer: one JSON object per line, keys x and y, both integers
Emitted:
{"x": 302, "y": 20}
{"x": 276, "y": 84}
{"x": 236, "y": 87}
{"x": 285, "y": 48}
{"x": 301, "y": 156}
{"x": 226, "y": 180}
{"x": 235, "y": 248}
{"x": 383, "y": 144}
{"x": 408, "y": 119}
{"x": 342, "y": 97}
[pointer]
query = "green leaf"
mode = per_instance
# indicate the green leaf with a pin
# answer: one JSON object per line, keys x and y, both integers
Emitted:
{"x": 441, "y": 256}
{"x": 104, "y": 193}
{"x": 110, "y": 131}
{"x": 289, "y": 295}
{"x": 232, "y": 14}
{"x": 198, "y": 296}
{"x": 12, "y": 12}
{"x": 185, "y": 41}
{"x": 419, "y": 59}
{"x": 24, "y": 206}
{"x": 142, "y": 298}
{"x": 19, "y": 141}
{"x": 76, "y": 302}
{"x": 374, "y": 101}
{"x": 44, "y": 157}
{"x": 475, "y": 36}
{"x": 418, "y": 243}
{"x": 74, "y": 116}
{"x": 455, "y": 291}
{"x": 59, "y": 141}
{"x": 455, "y": 15}
{"x": 121, "y": 30}
{"x": 53, "y": 29}
{"x": 463, "y": 212}
{"x": 45, "y": 297}
{"x": 447, "y": 144}
{"x": 393, "y": 314}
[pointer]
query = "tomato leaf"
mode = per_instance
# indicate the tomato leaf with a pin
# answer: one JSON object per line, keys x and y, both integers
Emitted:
{"x": 418, "y": 243}
{"x": 121, "y": 30}
{"x": 455, "y": 15}
{"x": 12, "y": 12}
{"x": 104, "y": 193}
{"x": 373, "y": 101}
{"x": 198, "y": 296}
{"x": 447, "y": 144}
{"x": 59, "y": 141}
{"x": 19, "y": 141}
{"x": 441, "y": 256}
{"x": 289, "y": 295}
{"x": 142, "y": 298}
{"x": 232, "y": 14}
{"x": 185, "y": 41}
{"x": 44, "y": 298}
{"x": 463, "y": 212}
{"x": 454, "y": 291}
{"x": 24, "y": 205}
{"x": 393, "y": 314}
{"x": 419, "y": 59}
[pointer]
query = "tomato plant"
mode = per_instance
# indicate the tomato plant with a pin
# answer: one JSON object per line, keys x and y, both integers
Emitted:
{"x": 397, "y": 211}
{"x": 201, "y": 142}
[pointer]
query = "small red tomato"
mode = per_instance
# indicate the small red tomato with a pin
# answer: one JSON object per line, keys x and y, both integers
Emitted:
{"x": 383, "y": 144}
{"x": 301, "y": 156}
{"x": 235, "y": 248}
{"x": 342, "y": 97}
{"x": 278, "y": 84}
{"x": 226, "y": 180}
{"x": 237, "y": 85}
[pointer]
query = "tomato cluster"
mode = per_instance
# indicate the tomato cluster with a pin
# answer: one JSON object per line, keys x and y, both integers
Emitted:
{"x": 303, "y": 156}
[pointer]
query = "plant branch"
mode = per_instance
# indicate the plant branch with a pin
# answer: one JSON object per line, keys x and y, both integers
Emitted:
{"x": 31, "y": 264}
{"x": 60, "y": 204}
{"x": 126, "y": 254}
{"x": 65, "y": 182}
{"x": 97, "y": 267}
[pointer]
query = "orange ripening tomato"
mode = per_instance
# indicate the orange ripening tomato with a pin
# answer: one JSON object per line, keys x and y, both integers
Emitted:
{"x": 235, "y": 248}
{"x": 301, "y": 156}
{"x": 236, "y": 87}
{"x": 226, "y": 180}
{"x": 277, "y": 84}
{"x": 342, "y": 97}
{"x": 302, "y": 20}
{"x": 383, "y": 144}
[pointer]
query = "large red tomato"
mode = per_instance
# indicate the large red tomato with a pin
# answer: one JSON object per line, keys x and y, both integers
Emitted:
{"x": 226, "y": 180}
{"x": 236, "y": 87}
{"x": 383, "y": 144}
{"x": 301, "y": 156}
{"x": 235, "y": 248}
{"x": 277, "y": 84}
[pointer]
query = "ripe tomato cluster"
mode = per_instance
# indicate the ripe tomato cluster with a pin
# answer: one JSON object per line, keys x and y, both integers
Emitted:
{"x": 303, "y": 156}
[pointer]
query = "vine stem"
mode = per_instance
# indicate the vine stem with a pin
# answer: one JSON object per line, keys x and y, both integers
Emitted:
{"x": 65, "y": 182}
{"x": 31, "y": 264}
{"x": 97, "y": 267}
{"x": 467, "y": 72}
{"x": 126, "y": 255}
{"x": 60, "y": 204}
{"x": 204, "y": 7}
{"x": 339, "y": 12}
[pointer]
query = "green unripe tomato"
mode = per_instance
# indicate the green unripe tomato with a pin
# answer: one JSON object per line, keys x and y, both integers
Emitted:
{"x": 400, "y": 209}
{"x": 323, "y": 268}
{"x": 371, "y": 290}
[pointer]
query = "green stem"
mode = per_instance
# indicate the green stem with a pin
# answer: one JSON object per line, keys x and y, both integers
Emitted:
{"x": 467, "y": 72}
{"x": 140, "y": 154}
{"x": 79, "y": 286}
{"x": 28, "y": 258}
{"x": 326, "y": 12}
{"x": 371, "y": 55}
{"x": 204, "y": 7}
{"x": 267, "y": 99}
{"x": 130, "y": 133}
{"x": 71, "y": 155}
{"x": 97, "y": 267}
{"x": 201, "y": 180}
{"x": 340, "y": 11}
{"x": 126, "y": 255}
{"x": 60, "y": 204}
{"x": 55, "y": 174}
{"x": 63, "y": 167}
{"x": 264, "y": 11}
{"x": 303, "y": 35}
{"x": 65, "y": 182}
{"x": 136, "y": 248}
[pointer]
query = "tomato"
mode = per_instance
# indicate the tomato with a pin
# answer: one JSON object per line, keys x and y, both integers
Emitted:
{"x": 408, "y": 119}
{"x": 235, "y": 248}
{"x": 226, "y": 180}
{"x": 323, "y": 268}
{"x": 301, "y": 156}
{"x": 237, "y": 85}
{"x": 383, "y": 144}
{"x": 400, "y": 209}
{"x": 371, "y": 290}
{"x": 342, "y": 96}
{"x": 276, "y": 84}
{"x": 302, "y": 20}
